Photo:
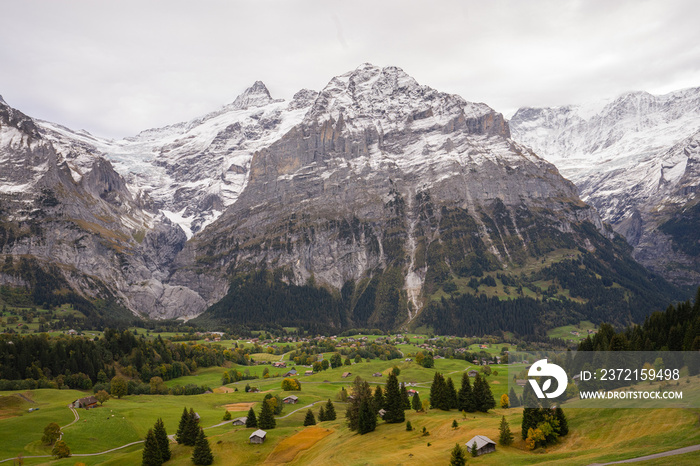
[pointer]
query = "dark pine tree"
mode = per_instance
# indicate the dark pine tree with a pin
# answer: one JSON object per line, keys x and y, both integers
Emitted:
{"x": 415, "y": 402}
{"x": 378, "y": 401}
{"x": 266, "y": 420}
{"x": 162, "y": 438}
{"x": 513, "y": 397}
{"x": 465, "y": 397}
{"x": 309, "y": 420}
{"x": 182, "y": 427}
{"x": 330, "y": 411}
{"x": 563, "y": 424}
{"x": 458, "y": 458}
{"x": 505, "y": 435}
{"x": 251, "y": 420}
{"x": 451, "y": 393}
{"x": 483, "y": 398}
{"x": 192, "y": 428}
{"x": 367, "y": 418}
{"x": 201, "y": 456}
{"x": 405, "y": 398}
{"x": 438, "y": 397}
{"x": 151, "y": 452}
{"x": 393, "y": 401}
{"x": 322, "y": 414}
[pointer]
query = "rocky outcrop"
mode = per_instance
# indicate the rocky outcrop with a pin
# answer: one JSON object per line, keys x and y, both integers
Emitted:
{"x": 635, "y": 159}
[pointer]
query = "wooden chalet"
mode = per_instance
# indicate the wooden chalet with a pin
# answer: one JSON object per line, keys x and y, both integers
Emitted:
{"x": 257, "y": 437}
{"x": 483, "y": 445}
{"x": 346, "y": 375}
{"x": 291, "y": 399}
{"x": 240, "y": 421}
{"x": 87, "y": 402}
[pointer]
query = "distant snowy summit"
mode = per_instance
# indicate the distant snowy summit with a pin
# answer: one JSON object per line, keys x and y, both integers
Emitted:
{"x": 635, "y": 158}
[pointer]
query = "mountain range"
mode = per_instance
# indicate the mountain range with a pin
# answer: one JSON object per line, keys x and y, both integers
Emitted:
{"x": 376, "y": 202}
{"x": 635, "y": 158}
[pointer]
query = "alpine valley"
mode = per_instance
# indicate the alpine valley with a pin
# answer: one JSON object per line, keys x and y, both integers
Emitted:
{"x": 374, "y": 203}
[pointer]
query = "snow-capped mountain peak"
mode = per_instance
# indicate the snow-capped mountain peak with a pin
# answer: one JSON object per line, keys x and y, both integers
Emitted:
{"x": 256, "y": 95}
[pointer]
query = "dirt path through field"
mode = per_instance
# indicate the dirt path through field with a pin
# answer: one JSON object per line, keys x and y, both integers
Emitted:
{"x": 664, "y": 454}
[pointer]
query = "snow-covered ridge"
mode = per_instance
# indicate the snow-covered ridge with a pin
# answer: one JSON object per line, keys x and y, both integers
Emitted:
{"x": 191, "y": 171}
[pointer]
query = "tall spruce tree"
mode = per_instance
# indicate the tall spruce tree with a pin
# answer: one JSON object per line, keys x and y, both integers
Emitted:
{"x": 309, "y": 420}
{"x": 378, "y": 401}
{"x": 251, "y": 420}
{"x": 162, "y": 439}
{"x": 505, "y": 436}
{"x": 465, "y": 397}
{"x": 438, "y": 397}
{"x": 458, "y": 458}
{"x": 531, "y": 417}
{"x": 151, "y": 451}
{"x": 361, "y": 392}
{"x": 483, "y": 398}
{"x": 192, "y": 428}
{"x": 266, "y": 420}
{"x": 330, "y": 411}
{"x": 367, "y": 421}
{"x": 322, "y": 414}
{"x": 393, "y": 401}
{"x": 415, "y": 402}
{"x": 451, "y": 393}
{"x": 513, "y": 397}
{"x": 201, "y": 456}
{"x": 405, "y": 398}
{"x": 182, "y": 427}
{"x": 563, "y": 428}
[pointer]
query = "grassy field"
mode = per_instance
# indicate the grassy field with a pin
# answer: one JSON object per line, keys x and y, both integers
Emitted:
{"x": 597, "y": 435}
{"x": 565, "y": 332}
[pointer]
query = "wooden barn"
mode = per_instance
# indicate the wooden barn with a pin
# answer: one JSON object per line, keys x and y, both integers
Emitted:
{"x": 291, "y": 399}
{"x": 483, "y": 445}
{"x": 87, "y": 402}
{"x": 257, "y": 437}
{"x": 240, "y": 421}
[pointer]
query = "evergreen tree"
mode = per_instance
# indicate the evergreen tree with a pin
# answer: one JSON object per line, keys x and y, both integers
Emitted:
{"x": 378, "y": 401}
{"x": 227, "y": 415}
{"x": 458, "y": 458}
{"x": 409, "y": 427}
{"x": 475, "y": 453}
{"x": 362, "y": 393}
{"x": 438, "y": 395}
{"x": 309, "y": 420}
{"x": 330, "y": 411}
{"x": 451, "y": 393}
{"x": 505, "y": 435}
{"x": 415, "y": 402}
{"x": 322, "y": 414}
{"x": 162, "y": 439}
{"x": 483, "y": 398}
{"x": 531, "y": 417}
{"x": 251, "y": 420}
{"x": 393, "y": 401}
{"x": 466, "y": 396}
{"x": 201, "y": 456}
{"x": 367, "y": 418}
{"x": 182, "y": 427}
{"x": 151, "y": 451}
{"x": 561, "y": 418}
{"x": 454, "y": 424}
{"x": 191, "y": 429}
{"x": 513, "y": 397}
{"x": 405, "y": 398}
{"x": 266, "y": 420}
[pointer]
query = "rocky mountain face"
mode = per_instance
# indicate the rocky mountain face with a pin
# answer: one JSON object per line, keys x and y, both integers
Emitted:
{"x": 635, "y": 159}
{"x": 386, "y": 190}
{"x": 377, "y": 202}
{"x": 192, "y": 171}
{"x": 80, "y": 240}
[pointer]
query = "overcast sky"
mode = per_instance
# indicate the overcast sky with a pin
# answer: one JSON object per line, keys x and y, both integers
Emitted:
{"x": 116, "y": 68}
